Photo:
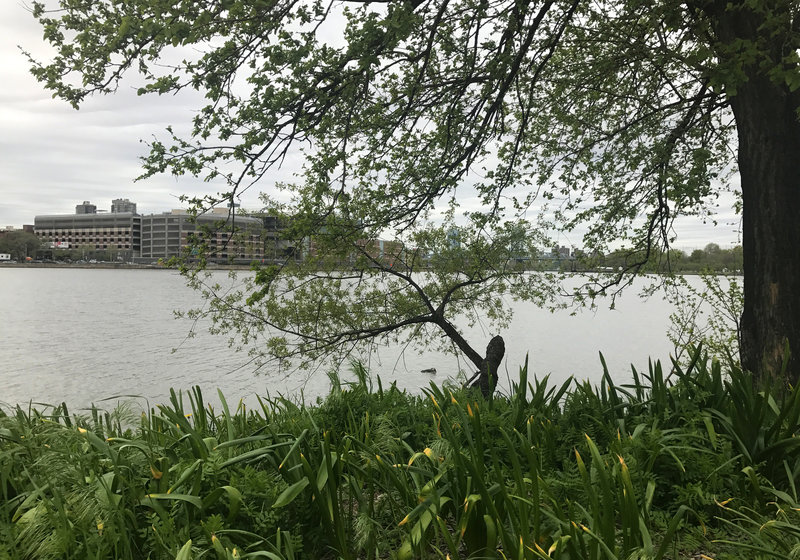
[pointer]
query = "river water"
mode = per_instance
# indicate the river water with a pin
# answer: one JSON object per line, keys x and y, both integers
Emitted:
{"x": 84, "y": 335}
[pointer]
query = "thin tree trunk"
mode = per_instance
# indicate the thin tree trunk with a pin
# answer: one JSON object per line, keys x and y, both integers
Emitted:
{"x": 460, "y": 341}
{"x": 769, "y": 165}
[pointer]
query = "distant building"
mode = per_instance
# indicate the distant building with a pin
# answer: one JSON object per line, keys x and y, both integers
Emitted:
{"x": 27, "y": 228}
{"x": 384, "y": 251}
{"x": 277, "y": 248}
{"x": 118, "y": 232}
{"x": 561, "y": 252}
{"x": 229, "y": 237}
{"x": 169, "y": 235}
{"x": 86, "y": 208}
{"x": 123, "y": 206}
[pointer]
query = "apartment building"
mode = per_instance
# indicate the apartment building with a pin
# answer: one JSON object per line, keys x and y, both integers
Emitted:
{"x": 122, "y": 205}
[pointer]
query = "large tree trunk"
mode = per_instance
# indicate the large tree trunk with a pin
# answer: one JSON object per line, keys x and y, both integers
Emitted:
{"x": 769, "y": 165}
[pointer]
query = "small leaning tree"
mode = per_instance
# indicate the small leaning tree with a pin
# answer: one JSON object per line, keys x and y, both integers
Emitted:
{"x": 352, "y": 291}
{"x": 614, "y": 117}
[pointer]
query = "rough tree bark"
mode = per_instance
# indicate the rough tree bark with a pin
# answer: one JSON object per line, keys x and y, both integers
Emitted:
{"x": 487, "y": 374}
{"x": 769, "y": 165}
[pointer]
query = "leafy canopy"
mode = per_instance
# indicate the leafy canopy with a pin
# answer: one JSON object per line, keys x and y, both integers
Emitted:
{"x": 609, "y": 109}
{"x": 608, "y": 118}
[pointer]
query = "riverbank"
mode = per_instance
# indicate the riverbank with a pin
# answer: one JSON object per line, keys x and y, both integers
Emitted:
{"x": 118, "y": 266}
{"x": 216, "y": 266}
{"x": 372, "y": 472}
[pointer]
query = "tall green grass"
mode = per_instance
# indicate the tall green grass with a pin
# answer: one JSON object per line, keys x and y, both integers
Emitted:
{"x": 695, "y": 461}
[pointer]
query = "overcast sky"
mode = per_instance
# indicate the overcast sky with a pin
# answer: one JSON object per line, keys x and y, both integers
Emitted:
{"x": 53, "y": 157}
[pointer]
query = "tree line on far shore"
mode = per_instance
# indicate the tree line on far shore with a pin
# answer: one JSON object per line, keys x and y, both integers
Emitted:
{"x": 711, "y": 258}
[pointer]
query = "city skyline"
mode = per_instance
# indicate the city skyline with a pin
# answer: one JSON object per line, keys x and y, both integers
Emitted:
{"x": 54, "y": 157}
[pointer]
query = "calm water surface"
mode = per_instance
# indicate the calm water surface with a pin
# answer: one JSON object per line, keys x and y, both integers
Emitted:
{"x": 82, "y": 335}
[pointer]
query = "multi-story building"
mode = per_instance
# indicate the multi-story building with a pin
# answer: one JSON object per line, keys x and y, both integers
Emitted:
{"x": 118, "y": 233}
{"x": 383, "y": 250}
{"x": 86, "y": 208}
{"x": 228, "y": 238}
{"x": 131, "y": 236}
{"x": 277, "y": 247}
{"x": 122, "y": 205}
{"x": 27, "y": 228}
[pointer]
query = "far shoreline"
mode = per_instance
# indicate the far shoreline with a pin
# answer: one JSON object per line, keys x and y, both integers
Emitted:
{"x": 117, "y": 266}
{"x": 216, "y": 266}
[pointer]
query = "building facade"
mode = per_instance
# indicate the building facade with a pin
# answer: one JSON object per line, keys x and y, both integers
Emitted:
{"x": 277, "y": 247}
{"x": 86, "y": 208}
{"x": 118, "y": 233}
{"x": 123, "y": 206}
{"x": 228, "y": 240}
{"x": 124, "y": 234}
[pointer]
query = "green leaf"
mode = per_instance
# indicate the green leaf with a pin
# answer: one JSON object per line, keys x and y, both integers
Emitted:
{"x": 185, "y": 553}
{"x": 189, "y": 499}
{"x": 291, "y": 493}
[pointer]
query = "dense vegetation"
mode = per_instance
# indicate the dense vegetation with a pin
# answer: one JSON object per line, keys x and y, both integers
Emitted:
{"x": 700, "y": 464}
{"x": 711, "y": 258}
{"x": 19, "y": 244}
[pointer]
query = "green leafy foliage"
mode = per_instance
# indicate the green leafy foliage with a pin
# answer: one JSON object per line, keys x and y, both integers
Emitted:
{"x": 418, "y": 97}
{"x": 352, "y": 292}
{"x": 20, "y": 245}
{"x": 709, "y": 316}
{"x": 674, "y": 467}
